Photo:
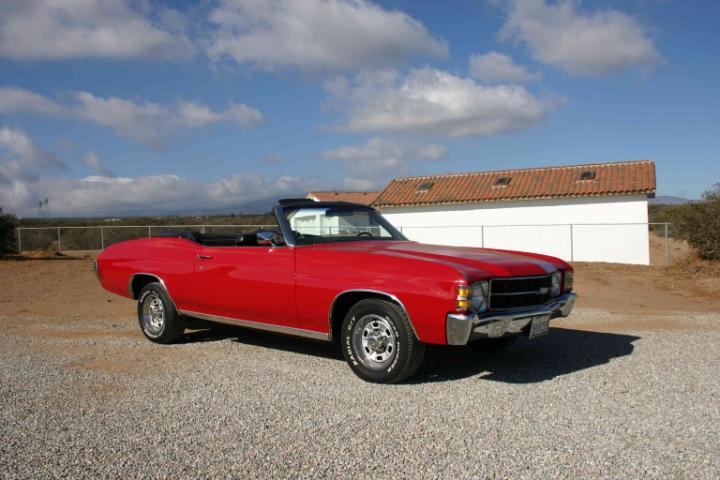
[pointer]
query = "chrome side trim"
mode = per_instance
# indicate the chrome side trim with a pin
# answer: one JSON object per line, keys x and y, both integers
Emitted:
{"x": 159, "y": 279}
{"x": 268, "y": 327}
{"x": 459, "y": 328}
{"x": 377, "y": 292}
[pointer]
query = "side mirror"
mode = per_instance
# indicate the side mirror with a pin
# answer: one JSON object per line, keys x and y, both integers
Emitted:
{"x": 266, "y": 238}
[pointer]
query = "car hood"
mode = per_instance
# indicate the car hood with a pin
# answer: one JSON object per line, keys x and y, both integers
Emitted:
{"x": 473, "y": 262}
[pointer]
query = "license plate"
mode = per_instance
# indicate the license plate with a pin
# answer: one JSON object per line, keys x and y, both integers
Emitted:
{"x": 539, "y": 326}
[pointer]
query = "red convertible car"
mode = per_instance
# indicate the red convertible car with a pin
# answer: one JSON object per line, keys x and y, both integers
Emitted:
{"x": 340, "y": 272}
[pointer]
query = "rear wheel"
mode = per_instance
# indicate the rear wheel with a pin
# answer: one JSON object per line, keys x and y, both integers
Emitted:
{"x": 493, "y": 344}
{"x": 159, "y": 321}
{"x": 378, "y": 342}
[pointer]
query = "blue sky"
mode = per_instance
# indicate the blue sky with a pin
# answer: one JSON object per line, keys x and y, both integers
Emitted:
{"x": 139, "y": 106}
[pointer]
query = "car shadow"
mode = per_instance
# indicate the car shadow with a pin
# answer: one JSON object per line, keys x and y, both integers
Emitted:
{"x": 561, "y": 352}
{"x": 208, "y": 334}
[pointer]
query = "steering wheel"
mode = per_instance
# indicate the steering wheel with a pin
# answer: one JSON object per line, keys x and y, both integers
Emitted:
{"x": 364, "y": 234}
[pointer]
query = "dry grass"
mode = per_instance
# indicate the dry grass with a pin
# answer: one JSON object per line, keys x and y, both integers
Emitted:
{"x": 694, "y": 267}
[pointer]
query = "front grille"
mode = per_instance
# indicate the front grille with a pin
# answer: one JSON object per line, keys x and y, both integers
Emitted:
{"x": 518, "y": 292}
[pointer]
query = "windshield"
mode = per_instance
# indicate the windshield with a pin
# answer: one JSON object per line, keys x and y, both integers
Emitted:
{"x": 338, "y": 224}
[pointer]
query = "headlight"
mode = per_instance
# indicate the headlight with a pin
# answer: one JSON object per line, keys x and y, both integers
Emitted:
{"x": 473, "y": 297}
{"x": 478, "y": 300}
{"x": 568, "y": 286}
{"x": 556, "y": 280}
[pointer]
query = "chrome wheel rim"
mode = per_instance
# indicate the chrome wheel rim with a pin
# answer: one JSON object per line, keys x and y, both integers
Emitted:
{"x": 374, "y": 341}
{"x": 153, "y": 315}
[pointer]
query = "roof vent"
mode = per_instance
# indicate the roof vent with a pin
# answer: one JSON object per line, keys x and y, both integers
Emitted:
{"x": 587, "y": 175}
{"x": 502, "y": 181}
{"x": 424, "y": 187}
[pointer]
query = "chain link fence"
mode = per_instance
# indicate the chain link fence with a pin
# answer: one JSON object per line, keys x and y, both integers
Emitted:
{"x": 64, "y": 239}
{"x": 574, "y": 242}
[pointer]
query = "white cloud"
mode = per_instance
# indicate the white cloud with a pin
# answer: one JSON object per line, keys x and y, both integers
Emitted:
{"x": 435, "y": 102}
{"x": 581, "y": 43}
{"x": 146, "y": 122}
{"x": 317, "y": 35}
{"x": 242, "y": 188}
{"x": 431, "y": 152}
{"x": 496, "y": 67}
{"x": 25, "y": 178}
{"x": 13, "y": 99}
{"x": 66, "y": 29}
{"x": 372, "y": 165}
{"x": 151, "y": 194}
{"x": 242, "y": 115}
{"x": 92, "y": 161}
{"x": 21, "y": 159}
{"x": 196, "y": 115}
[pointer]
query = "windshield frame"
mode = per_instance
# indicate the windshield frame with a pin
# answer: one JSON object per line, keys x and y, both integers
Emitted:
{"x": 282, "y": 219}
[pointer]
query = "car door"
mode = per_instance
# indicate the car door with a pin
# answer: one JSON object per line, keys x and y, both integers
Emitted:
{"x": 255, "y": 283}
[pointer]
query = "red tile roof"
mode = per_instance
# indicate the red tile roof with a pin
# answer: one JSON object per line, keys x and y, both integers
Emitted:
{"x": 623, "y": 178}
{"x": 365, "y": 198}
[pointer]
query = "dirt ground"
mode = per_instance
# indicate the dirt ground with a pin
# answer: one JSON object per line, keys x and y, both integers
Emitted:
{"x": 634, "y": 297}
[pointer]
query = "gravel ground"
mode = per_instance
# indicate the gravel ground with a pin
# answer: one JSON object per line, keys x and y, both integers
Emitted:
{"x": 92, "y": 398}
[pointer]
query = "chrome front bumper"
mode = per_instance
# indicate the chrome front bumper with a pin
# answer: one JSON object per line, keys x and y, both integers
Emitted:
{"x": 460, "y": 328}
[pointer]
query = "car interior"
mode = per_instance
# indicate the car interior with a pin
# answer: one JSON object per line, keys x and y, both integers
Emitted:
{"x": 247, "y": 239}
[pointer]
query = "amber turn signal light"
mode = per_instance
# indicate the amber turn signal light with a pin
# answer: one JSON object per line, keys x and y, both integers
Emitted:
{"x": 463, "y": 297}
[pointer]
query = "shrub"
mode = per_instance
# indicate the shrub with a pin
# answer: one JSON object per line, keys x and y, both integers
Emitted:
{"x": 7, "y": 233}
{"x": 699, "y": 224}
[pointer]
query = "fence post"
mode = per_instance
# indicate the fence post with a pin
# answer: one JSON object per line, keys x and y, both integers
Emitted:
{"x": 482, "y": 236}
{"x": 102, "y": 238}
{"x": 149, "y": 231}
{"x": 667, "y": 247}
{"x": 58, "y": 230}
{"x": 19, "y": 231}
{"x": 572, "y": 245}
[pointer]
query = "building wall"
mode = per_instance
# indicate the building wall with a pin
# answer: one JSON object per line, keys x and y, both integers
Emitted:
{"x": 541, "y": 226}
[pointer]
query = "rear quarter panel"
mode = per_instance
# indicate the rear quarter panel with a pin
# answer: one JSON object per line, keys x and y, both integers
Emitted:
{"x": 427, "y": 289}
{"x": 171, "y": 259}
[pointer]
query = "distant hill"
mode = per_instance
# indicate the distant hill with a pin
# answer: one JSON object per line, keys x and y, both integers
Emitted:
{"x": 669, "y": 200}
{"x": 255, "y": 207}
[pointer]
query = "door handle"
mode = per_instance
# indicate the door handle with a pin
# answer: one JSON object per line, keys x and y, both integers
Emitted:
{"x": 204, "y": 257}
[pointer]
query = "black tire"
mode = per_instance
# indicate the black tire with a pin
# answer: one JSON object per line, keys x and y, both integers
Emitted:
{"x": 493, "y": 344}
{"x": 403, "y": 350}
{"x": 172, "y": 325}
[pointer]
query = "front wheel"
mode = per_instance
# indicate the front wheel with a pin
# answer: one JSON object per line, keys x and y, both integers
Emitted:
{"x": 159, "y": 321}
{"x": 378, "y": 342}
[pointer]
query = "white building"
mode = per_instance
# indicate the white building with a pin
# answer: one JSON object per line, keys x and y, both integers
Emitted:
{"x": 595, "y": 213}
